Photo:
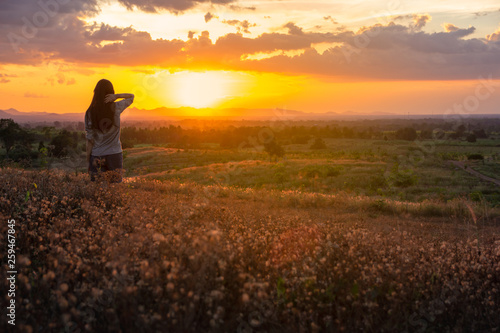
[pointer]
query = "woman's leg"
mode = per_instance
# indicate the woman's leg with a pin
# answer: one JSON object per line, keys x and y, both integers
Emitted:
{"x": 97, "y": 166}
{"x": 114, "y": 164}
{"x": 92, "y": 168}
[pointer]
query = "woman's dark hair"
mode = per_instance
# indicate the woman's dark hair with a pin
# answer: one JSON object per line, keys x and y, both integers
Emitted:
{"x": 100, "y": 113}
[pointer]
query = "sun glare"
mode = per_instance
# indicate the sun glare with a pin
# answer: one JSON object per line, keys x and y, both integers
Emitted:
{"x": 201, "y": 89}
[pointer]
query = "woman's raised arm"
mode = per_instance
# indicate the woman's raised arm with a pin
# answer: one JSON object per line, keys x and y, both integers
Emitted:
{"x": 113, "y": 97}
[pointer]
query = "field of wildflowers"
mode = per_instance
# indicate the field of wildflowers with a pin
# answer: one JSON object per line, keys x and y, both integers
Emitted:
{"x": 150, "y": 256}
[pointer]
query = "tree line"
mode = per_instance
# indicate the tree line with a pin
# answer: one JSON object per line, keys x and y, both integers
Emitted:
{"x": 23, "y": 143}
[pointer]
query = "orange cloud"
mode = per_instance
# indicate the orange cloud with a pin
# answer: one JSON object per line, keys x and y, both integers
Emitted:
{"x": 448, "y": 27}
{"x": 419, "y": 21}
{"x": 494, "y": 37}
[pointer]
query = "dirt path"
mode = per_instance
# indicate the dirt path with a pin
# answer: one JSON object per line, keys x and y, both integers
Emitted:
{"x": 468, "y": 169}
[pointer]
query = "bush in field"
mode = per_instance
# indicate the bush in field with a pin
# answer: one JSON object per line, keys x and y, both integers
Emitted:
{"x": 426, "y": 134}
{"x": 377, "y": 182}
{"x": 62, "y": 143}
{"x": 280, "y": 174}
{"x": 407, "y": 133}
{"x": 402, "y": 177}
{"x": 127, "y": 143}
{"x": 318, "y": 143}
{"x": 471, "y": 138}
{"x": 11, "y": 134}
{"x": 480, "y": 134}
{"x": 475, "y": 157}
{"x": 20, "y": 153}
{"x": 274, "y": 149}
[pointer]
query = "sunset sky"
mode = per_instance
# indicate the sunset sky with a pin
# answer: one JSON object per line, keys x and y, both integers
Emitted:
{"x": 419, "y": 57}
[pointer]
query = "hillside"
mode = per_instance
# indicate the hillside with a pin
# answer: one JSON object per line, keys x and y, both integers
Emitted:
{"x": 146, "y": 255}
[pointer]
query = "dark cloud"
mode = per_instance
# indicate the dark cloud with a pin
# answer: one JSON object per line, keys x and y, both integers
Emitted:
{"x": 23, "y": 22}
{"x": 418, "y": 20}
{"x": 105, "y": 32}
{"x": 241, "y": 26}
{"x": 396, "y": 52}
{"x": 391, "y": 51}
{"x": 16, "y": 12}
{"x": 293, "y": 29}
{"x": 331, "y": 19}
{"x": 209, "y": 16}
{"x": 485, "y": 13}
{"x": 269, "y": 42}
{"x": 237, "y": 8}
{"x": 153, "y": 6}
{"x": 479, "y": 14}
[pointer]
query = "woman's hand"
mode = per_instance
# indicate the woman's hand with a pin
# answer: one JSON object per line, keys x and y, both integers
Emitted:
{"x": 110, "y": 98}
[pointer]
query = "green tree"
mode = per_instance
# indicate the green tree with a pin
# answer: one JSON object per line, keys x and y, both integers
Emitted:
{"x": 274, "y": 149}
{"x": 471, "y": 138}
{"x": 11, "y": 134}
{"x": 407, "y": 133}
{"x": 318, "y": 143}
{"x": 63, "y": 142}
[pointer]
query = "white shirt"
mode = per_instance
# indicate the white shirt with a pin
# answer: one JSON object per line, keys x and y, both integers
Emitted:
{"x": 109, "y": 142}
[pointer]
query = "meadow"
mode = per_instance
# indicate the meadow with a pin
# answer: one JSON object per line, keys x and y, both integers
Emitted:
{"x": 364, "y": 235}
{"x": 394, "y": 170}
{"x": 167, "y": 256}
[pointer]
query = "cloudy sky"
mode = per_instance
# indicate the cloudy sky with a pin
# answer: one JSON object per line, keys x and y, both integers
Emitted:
{"x": 394, "y": 56}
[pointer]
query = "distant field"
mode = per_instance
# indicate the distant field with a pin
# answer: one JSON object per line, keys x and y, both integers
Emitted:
{"x": 400, "y": 170}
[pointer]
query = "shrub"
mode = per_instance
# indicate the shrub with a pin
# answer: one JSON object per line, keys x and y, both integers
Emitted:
{"x": 274, "y": 149}
{"x": 127, "y": 143}
{"x": 407, "y": 133}
{"x": 21, "y": 153}
{"x": 402, "y": 178}
{"x": 475, "y": 157}
{"x": 62, "y": 143}
{"x": 471, "y": 138}
{"x": 318, "y": 143}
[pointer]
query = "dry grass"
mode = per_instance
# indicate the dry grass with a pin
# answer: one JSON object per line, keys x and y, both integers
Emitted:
{"x": 168, "y": 257}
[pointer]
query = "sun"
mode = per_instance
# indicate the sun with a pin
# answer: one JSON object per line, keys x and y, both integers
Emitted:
{"x": 201, "y": 89}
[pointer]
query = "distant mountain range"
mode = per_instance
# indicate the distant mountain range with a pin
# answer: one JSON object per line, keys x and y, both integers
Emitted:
{"x": 39, "y": 117}
{"x": 174, "y": 114}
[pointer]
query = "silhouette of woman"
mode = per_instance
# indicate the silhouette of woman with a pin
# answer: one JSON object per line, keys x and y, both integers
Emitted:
{"x": 102, "y": 127}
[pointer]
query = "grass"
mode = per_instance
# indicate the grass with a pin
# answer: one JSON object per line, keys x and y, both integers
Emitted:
{"x": 366, "y": 235}
{"x": 184, "y": 257}
{"x": 365, "y": 167}
{"x": 490, "y": 168}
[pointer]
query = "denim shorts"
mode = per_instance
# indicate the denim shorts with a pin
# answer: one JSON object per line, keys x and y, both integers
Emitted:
{"x": 109, "y": 165}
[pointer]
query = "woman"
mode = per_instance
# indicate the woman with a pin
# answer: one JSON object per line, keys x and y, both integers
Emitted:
{"x": 102, "y": 127}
